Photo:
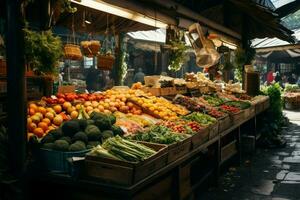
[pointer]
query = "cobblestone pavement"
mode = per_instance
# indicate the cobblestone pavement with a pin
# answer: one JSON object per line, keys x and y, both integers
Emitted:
{"x": 270, "y": 174}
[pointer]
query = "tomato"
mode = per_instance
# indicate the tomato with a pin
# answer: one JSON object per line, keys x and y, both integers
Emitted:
{"x": 60, "y": 95}
{"x": 61, "y": 100}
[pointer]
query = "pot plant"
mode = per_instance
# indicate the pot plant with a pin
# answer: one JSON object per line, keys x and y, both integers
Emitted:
{"x": 177, "y": 55}
{"x": 42, "y": 51}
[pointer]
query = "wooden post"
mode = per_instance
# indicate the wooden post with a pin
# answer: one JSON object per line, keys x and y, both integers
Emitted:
{"x": 16, "y": 87}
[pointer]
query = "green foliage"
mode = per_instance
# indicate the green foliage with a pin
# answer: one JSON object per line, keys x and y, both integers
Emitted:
{"x": 242, "y": 57}
{"x": 291, "y": 88}
{"x": 42, "y": 50}
{"x": 177, "y": 55}
{"x": 273, "y": 118}
{"x": 66, "y": 6}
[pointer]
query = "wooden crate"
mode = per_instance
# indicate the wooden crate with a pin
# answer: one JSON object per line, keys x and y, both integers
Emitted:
{"x": 228, "y": 151}
{"x": 154, "y": 91}
{"x": 224, "y": 123}
{"x": 237, "y": 117}
{"x": 200, "y": 138}
{"x": 181, "y": 89}
{"x": 126, "y": 173}
{"x": 167, "y": 91}
{"x": 259, "y": 107}
{"x": 213, "y": 130}
{"x": 66, "y": 89}
{"x": 249, "y": 112}
{"x": 179, "y": 149}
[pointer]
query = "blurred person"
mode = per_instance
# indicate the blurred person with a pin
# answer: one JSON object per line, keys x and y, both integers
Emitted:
{"x": 108, "y": 81}
{"x": 278, "y": 79}
{"x": 292, "y": 79}
{"x": 270, "y": 76}
{"x": 91, "y": 79}
{"x": 129, "y": 77}
{"x": 139, "y": 76}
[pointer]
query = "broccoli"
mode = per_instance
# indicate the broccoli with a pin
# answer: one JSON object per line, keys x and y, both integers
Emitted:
{"x": 90, "y": 122}
{"x": 117, "y": 130}
{"x": 57, "y": 133}
{"x": 69, "y": 128}
{"x": 93, "y": 132}
{"x": 102, "y": 121}
{"x": 81, "y": 136}
{"x": 82, "y": 123}
{"x": 48, "y": 139}
{"x": 67, "y": 139}
{"x": 61, "y": 145}
{"x": 112, "y": 119}
{"x": 106, "y": 134}
{"x": 77, "y": 146}
{"x": 49, "y": 145}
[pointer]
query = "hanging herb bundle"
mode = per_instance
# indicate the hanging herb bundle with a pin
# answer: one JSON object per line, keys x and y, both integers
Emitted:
{"x": 177, "y": 55}
{"x": 242, "y": 57}
{"x": 42, "y": 51}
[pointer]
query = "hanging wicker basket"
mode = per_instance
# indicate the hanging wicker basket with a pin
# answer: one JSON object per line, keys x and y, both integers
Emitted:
{"x": 72, "y": 52}
{"x": 105, "y": 62}
{"x": 90, "y": 48}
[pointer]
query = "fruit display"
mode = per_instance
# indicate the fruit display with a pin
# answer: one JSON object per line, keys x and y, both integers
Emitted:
{"x": 159, "y": 134}
{"x": 238, "y": 104}
{"x": 229, "y": 109}
{"x": 213, "y": 100}
{"x": 227, "y": 97}
{"x": 121, "y": 149}
{"x": 202, "y": 119}
{"x": 78, "y": 135}
{"x": 159, "y": 107}
{"x": 182, "y": 126}
{"x": 143, "y": 120}
{"x": 189, "y": 103}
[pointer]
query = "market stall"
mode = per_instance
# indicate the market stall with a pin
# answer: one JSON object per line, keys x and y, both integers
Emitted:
{"x": 127, "y": 139}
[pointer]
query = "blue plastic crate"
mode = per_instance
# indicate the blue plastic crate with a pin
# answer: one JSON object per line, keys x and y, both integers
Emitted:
{"x": 58, "y": 161}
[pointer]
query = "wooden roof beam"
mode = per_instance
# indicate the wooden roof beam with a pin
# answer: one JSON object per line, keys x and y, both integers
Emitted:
{"x": 278, "y": 48}
{"x": 288, "y": 8}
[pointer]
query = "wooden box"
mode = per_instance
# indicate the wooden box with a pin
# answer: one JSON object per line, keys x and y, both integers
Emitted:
{"x": 179, "y": 149}
{"x": 249, "y": 112}
{"x": 181, "y": 89}
{"x": 200, "y": 138}
{"x": 154, "y": 91}
{"x": 66, "y": 89}
{"x": 167, "y": 91}
{"x": 224, "y": 123}
{"x": 259, "y": 107}
{"x": 213, "y": 130}
{"x": 266, "y": 103}
{"x": 228, "y": 151}
{"x": 237, "y": 118}
{"x": 126, "y": 173}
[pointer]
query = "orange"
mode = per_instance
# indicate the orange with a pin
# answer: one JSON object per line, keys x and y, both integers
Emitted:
{"x": 89, "y": 108}
{"x": 43, "y": 125}
{"x": 49, "y": 115}
{"x": 39, "y": 132}
{"x": 33, "y": 106}
{"x": 29, "y": 120}
{"x": 47, "y": 121}
{"x": 71, "y": 109}
{"x": 57, "y": 120}
{"x": 31, "y": 126}
{"x": 74, "y": 114}
{"x": 31, "y": 111}
{"x": 57, "y": 108}
{"x": 67, "y": 105}
{"x": 35, "y": 119}
{"x": 78, "y": 106}
{"x": 40, "y": 115}
{"x": 50, "y": 110}
{"x": 42, "y": 110}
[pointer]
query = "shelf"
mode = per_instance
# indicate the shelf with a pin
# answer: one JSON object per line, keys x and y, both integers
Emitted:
{"x": 208, "y": 174}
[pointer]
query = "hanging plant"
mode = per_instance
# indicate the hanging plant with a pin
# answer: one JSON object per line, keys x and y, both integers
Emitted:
{"x": 177, "y": 55}
{"x": 42, "y": 51}
{"x": 242, "y": 57}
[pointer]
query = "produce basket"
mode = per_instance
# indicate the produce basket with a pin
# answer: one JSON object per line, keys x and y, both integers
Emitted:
{"x": 213, "y": 130}
{"x": 259, "y": 107}
{"x": 72, "y": 52}
{"x": 105, "y": 62}
{"x": 57, "y": 161}
{"x": 66, "y": 89}
{"x": 224, "y": 123}
{"x": 249, "y": 112}
{"x": 266, "y": 103}
{"x": 90, "y": 48}
{"x": 237, "y": 118}
{"x": 125, "y": 173}
{"x": 167, "y": 91}
{"x": 179, "y": 149}
{"x": 200, "y": 138}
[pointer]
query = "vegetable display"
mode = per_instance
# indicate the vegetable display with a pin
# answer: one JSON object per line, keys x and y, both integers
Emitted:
{"x": 159, "y": 134}
{"x": 229, "y": 109}
{"x": 122, "y": 149}
{"x": 202, "y": 119}
{"x": 182, "y": 126}
{"x": 214, "y": 101}
{"x": 239, "y": 104}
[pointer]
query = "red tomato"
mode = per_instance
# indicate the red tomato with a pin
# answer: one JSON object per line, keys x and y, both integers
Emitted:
{"x": 60, "y": 95}
{"x": 61, "y": 100}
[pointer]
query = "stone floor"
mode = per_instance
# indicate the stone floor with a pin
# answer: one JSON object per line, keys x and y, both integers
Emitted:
{"x": 270, "y": 174}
